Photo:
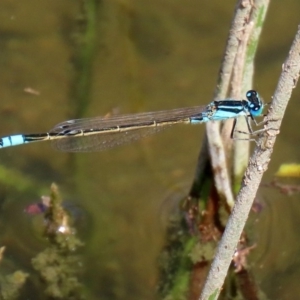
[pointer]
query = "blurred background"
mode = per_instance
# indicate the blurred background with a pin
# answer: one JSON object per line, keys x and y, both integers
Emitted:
{"x": 62, "y": 60}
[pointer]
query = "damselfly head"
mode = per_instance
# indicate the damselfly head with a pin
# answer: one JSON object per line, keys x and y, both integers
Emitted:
{"x": 256, "y": 105}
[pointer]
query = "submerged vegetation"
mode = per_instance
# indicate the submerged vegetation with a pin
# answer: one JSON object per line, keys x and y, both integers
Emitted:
{"x": 57, "y": 265}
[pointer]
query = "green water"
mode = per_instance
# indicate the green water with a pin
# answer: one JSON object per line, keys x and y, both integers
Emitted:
{"x": 138, "y": 56}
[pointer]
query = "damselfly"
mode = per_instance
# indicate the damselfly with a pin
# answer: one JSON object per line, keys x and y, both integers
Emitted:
{"x": 94, "y": 134}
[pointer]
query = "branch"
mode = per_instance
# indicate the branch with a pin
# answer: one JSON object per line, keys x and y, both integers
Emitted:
{"x": 257, "y": 166}
{"x": 241, "y": 149}
{"x": 213, "y": 138}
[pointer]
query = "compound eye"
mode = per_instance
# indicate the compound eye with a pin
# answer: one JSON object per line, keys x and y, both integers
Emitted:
{"x": 251, "y": 94}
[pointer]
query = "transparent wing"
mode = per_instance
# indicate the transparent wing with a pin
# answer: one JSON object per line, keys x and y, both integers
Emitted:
{"x": 106, "y": 138}
{"x": 132, "y": 119}
{"x": 91, "y": 143}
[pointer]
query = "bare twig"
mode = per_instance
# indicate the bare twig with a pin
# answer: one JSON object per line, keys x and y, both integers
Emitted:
{"x": 214, "y": 141}
{"x": 246, "y": 57}
{"x": 257, "y": 166}
{"x": 239, "y": 85}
